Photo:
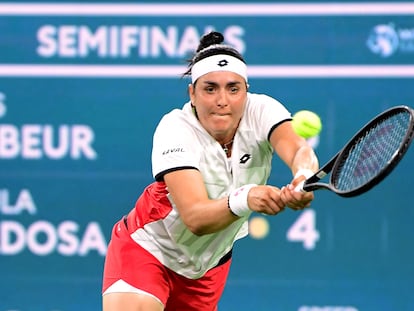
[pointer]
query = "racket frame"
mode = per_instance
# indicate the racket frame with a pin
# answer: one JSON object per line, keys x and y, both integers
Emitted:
{"x": 312, "y": 183}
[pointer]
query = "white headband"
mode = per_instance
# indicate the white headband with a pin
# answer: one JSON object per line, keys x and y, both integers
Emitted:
{"x": 219, "y": 62}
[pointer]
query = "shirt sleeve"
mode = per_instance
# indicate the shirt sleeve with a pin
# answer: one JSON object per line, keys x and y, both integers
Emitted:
{"x": 174, "y": 145}
{"x": 266, "y": 113}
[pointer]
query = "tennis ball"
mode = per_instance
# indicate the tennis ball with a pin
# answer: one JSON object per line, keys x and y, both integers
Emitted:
{"x": 306, "y": 123}
{"x": 258, "y": 227}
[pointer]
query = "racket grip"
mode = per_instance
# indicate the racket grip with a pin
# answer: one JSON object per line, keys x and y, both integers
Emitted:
{"x": 299, "y": 188}
{"x": 302, "y": 172}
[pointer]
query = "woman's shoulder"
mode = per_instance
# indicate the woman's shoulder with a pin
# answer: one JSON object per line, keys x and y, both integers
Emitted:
{"x": 177, "y": 114}
{"x": 260, "y": 98}
{"x": 259, "y": 103}
{"x": 262, "y": 109}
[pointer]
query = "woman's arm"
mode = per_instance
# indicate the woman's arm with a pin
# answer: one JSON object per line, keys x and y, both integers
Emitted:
{"x": 300, "y": 158}
{"x": 199, "y": 213}
{"x": 203, "y": 215}
{"x": 293, "y": 149}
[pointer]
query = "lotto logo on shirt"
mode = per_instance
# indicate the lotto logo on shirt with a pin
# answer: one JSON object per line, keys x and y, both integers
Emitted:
{"x": 44, "y": 141}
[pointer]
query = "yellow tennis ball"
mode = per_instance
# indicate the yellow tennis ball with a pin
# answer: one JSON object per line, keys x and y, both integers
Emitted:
{"x": 306, "y": 123}
{"x": 258, "y": 227}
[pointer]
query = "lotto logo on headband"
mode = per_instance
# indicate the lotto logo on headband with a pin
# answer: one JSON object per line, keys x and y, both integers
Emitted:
{"x": 223, "y": 63}
{"x": 218, "y": 63}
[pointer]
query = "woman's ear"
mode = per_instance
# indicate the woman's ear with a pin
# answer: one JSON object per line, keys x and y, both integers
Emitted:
{"x": 191, "y": 92}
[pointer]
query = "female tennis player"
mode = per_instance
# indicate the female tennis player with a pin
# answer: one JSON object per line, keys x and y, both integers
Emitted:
{"x": 210, "y": 161}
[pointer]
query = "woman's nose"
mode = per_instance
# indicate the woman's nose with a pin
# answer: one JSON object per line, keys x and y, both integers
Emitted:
{"x": 221, "y": 99}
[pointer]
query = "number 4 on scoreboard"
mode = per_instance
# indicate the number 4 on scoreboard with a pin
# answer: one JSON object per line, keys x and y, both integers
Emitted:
{"x": 304, "y": 230}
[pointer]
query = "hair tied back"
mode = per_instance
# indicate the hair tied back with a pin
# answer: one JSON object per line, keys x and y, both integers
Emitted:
{"x": 209, "y": 39}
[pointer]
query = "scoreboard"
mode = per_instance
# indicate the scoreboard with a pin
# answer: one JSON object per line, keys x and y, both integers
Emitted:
{"x": 82, "y": 88}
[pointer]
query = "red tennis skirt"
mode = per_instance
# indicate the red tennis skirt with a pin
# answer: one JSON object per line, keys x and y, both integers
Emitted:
{"x": 128, "y": 261}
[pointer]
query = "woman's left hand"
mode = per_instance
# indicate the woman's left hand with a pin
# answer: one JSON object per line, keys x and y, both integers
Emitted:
{"x": 296, "y": 200}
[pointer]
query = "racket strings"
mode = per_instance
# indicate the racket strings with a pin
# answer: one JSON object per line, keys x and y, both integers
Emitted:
{"x": 372, "y": 152}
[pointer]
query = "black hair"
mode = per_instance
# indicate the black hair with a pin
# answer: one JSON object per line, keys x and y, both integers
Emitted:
{"x": 211, "y": 44}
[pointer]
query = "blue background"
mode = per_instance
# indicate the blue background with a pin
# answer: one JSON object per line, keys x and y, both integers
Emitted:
{"x": 364, "y": 257}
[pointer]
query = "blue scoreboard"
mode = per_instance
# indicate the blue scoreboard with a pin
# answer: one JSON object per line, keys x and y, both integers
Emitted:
{"x": 82, "y": 87}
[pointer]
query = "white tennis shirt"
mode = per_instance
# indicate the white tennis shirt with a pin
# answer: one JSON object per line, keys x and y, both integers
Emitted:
{"x": 181, "y": 142}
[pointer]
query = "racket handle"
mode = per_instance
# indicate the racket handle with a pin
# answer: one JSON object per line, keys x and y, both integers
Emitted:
{"x": 299, "y": 188}
{"x": 302, "y": 172}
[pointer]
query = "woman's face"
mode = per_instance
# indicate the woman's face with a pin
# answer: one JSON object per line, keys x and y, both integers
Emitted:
{"x": 219, "y": 98}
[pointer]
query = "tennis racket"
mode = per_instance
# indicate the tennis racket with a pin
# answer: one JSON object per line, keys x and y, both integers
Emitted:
{"x": 369, "y": 156}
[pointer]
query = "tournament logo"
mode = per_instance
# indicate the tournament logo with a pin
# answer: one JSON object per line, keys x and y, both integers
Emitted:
{"x": 383, "y": 40}
{"x": 387, "y": 40}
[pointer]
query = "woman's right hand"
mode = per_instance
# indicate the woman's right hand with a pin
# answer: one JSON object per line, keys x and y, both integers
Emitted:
{"x": 265, "y": 199}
